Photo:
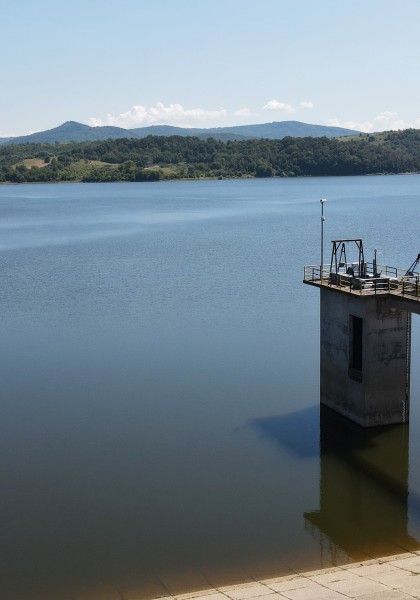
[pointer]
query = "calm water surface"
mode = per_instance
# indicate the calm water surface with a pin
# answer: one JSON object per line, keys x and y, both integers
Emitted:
{"x": 159, "y": 406}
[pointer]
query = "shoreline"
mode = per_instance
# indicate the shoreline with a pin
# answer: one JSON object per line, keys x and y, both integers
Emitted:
{"x": 185, "y": 179}
{"x": 395, "y": 577}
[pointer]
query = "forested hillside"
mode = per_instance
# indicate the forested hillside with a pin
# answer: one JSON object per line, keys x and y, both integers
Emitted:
{"x": 154, "y": 158}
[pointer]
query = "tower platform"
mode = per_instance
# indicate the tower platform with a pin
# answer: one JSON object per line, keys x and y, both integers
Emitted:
{"x": 393, "y": 282}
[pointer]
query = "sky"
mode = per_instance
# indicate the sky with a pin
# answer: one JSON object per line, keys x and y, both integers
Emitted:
{"x": 209, "y": 63}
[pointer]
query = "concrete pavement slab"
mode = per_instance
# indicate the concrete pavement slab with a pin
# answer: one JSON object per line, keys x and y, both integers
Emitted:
{"x": 389, "y": 578}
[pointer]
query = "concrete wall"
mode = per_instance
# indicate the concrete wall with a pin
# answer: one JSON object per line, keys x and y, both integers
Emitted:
{"x": 378, "y": 393}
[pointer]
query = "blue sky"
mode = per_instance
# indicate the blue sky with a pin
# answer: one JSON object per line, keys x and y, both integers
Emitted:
{"x": 206, "y": 63}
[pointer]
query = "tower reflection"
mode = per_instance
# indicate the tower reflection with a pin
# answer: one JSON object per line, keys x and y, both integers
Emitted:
{"x": 363, "y": 491}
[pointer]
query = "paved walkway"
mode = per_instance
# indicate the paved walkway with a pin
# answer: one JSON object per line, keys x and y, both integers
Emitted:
{"x": 390, "y": 578}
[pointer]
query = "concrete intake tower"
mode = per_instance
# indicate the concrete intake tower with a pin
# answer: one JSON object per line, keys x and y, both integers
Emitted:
{"x": 365, "y": 334}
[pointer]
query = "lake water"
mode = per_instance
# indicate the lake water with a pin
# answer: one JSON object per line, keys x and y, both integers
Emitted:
{"x": 159, "y": 406}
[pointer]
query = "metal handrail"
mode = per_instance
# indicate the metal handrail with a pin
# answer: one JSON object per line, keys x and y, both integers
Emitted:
{"x": 391, "y": 279}
{"x": 410, "y": 285}
{"x": 313, "y": 273}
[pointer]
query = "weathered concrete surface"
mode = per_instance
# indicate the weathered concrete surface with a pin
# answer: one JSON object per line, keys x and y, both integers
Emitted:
{"x": 412, "y": 305}
{"x": 378, "y": 392}
{"x": 390, "y": 578}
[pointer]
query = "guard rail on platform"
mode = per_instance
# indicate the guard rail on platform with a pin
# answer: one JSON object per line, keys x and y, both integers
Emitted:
{"x": 388, "y": 279}
{"x": 410, "y": 286}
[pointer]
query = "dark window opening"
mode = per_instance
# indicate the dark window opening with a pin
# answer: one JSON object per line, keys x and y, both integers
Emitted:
{"x": 356, "y": 343}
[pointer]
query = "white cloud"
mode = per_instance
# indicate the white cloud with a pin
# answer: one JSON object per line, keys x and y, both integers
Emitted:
{"x": 281, "y": 106}
{"x": 244, "y": 112}
{"x": 4, "y": 134}
{"x": 366, "y": 126}
{"x": 384, "y": 121}
{"x": 306, "y": 104}
{"x": 159, "y": 114}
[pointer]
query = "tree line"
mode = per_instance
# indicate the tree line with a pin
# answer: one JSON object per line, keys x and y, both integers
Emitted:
{"x": 155, "y": 158}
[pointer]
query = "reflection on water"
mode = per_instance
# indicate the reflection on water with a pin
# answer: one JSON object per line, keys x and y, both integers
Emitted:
{"x": 363, "y": 484}
{"x": 363, "y": 489}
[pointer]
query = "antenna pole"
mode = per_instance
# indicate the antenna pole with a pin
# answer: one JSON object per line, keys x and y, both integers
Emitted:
{"x": 322, "y": 201}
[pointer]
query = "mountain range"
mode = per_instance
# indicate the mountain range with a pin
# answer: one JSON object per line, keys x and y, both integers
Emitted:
{"x": 71, "y": 131}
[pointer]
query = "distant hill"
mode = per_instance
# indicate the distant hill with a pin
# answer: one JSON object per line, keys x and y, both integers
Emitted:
{"x": 280, "y": 129}
{"x": 71, "y": 131}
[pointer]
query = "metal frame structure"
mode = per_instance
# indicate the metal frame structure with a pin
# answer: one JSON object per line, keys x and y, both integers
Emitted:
{"x": 339, "y": 258}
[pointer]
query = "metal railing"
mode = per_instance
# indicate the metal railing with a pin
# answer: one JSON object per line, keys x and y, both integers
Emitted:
{"x": 384, "y": 270}
{"x": 410, "y": 286}
{"x": 388, "y": 279}
{"x": 313, "y": 273}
